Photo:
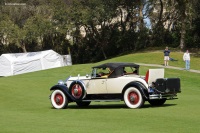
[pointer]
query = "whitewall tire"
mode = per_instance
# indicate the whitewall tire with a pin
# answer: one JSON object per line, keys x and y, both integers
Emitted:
{"x": 59, "y": 100}
{"x": 133, "y": 98}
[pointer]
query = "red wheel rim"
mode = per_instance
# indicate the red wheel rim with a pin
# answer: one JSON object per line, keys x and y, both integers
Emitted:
{"x": 133, "y": 97}
{"x": 58, "y": 99}
{"x": 76, "y": 91}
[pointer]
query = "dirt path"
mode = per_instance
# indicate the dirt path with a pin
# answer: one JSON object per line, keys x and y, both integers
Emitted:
{"x": 171, "y": 67}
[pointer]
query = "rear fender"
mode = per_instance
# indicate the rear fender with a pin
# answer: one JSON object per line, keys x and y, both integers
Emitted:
{"x": 139, "y": 86}
{"x": 64, "y": 89}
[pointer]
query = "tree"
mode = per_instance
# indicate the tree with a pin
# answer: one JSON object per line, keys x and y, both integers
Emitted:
{"x": 95, "y": 18}
{"x": 36, "y": 28}
{"x": 10, "y": 33}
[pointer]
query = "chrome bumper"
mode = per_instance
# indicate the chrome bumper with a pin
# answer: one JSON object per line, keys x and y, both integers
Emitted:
{"x": 162, "y": 96}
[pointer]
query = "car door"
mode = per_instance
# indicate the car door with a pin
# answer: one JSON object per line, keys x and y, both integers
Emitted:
{"x": 97, "y": 86}
{"x": 116, "y": 85}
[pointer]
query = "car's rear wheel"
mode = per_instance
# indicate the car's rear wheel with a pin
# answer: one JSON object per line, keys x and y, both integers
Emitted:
{"x": 157, "y": 102}
{"x": 133, "y": 98}
{"x": 83, "y": 104}
{"x": 59, "y": 100}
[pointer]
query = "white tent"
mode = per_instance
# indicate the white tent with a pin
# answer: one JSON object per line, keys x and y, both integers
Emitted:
{"x": 18, "y": 63}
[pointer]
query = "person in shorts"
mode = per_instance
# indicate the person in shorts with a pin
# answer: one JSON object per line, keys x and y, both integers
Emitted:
{"x": 166, "y": 56}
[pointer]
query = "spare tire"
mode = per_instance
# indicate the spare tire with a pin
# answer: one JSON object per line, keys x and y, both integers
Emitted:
{"x": 77, "y": 90}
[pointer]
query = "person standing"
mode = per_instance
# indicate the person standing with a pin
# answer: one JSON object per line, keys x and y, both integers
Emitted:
{"x": 186, "y": 58}
{"x": 166, "y": 56}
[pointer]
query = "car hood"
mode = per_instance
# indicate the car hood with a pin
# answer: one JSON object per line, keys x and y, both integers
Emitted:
{"x": 79, "y": 78}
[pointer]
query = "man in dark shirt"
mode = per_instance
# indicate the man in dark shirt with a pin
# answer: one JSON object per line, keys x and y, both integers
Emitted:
{"x": 166, "y": 56}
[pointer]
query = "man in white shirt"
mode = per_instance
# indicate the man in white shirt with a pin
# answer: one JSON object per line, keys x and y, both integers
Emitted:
{"x": 186, "y": 58}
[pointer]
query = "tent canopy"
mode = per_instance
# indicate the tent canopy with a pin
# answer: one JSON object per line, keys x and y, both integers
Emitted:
{"x": 18, "y": 63}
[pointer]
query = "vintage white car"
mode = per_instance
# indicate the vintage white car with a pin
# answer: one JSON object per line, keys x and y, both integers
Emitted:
{"x": 116, "y": 82}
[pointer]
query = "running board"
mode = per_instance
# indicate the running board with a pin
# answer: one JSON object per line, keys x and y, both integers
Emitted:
{"x": 100, "y": 100}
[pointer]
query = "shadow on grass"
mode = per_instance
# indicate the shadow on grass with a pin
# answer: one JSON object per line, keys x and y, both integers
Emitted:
{"x": 116, "y": 106}
{"x": 107, "y": 106}
{"x": 162, "y": 106}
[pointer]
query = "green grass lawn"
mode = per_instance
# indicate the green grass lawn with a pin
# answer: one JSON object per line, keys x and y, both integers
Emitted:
{"x": 25, "y": 106}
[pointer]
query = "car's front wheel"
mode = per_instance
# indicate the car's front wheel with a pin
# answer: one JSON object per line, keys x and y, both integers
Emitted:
{"x": 133, "y": 98}
{"x": 59, "y": 100}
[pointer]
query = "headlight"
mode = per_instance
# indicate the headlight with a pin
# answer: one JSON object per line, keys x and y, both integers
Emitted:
{"x": 60, "y": 82}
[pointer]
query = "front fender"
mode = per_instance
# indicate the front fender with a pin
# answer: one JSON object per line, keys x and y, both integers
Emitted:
{"x": 139, "y": 86}
{"x": 64, "y": 89}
